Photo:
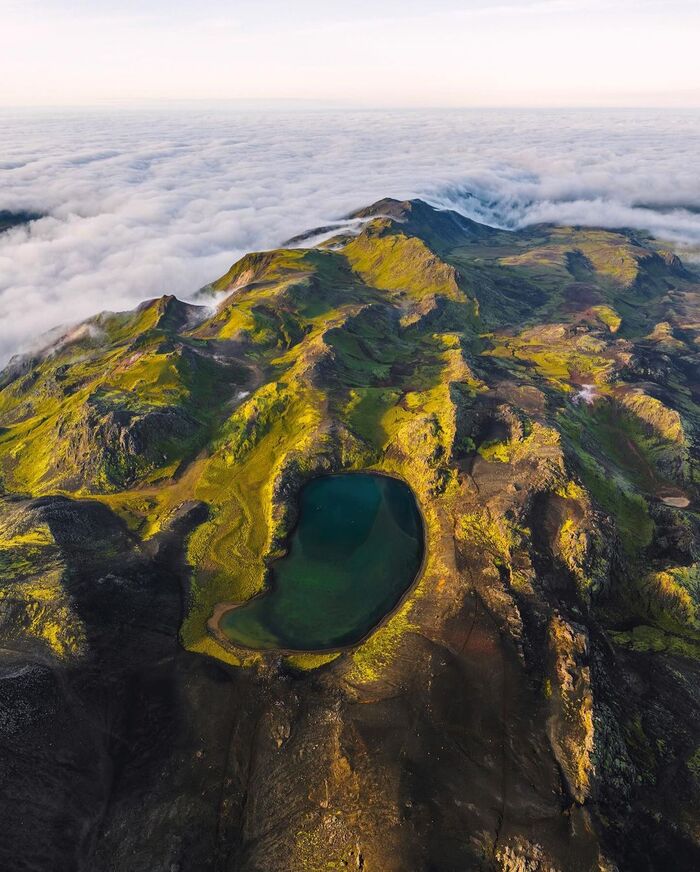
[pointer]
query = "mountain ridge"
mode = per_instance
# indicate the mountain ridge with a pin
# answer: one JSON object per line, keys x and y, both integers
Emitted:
{"x": 533, "y": 700}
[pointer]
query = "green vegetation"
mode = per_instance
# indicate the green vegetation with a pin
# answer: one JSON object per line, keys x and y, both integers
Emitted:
{"x": 558, "y": 355}
{"x": 32, "y": 572}
{"x": 646, "y": 639}
{"x": 608, "y": 316}
{"x": 514, "y": 450}
{"x": 384, "y": 350}
{"x": 666, "y": 603}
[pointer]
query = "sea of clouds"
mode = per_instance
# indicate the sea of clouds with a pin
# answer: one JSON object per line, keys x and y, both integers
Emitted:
{"x": 141, "y": 203}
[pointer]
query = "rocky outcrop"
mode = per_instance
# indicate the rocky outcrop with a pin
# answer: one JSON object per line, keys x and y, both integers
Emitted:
{"x": 570, "y": 724}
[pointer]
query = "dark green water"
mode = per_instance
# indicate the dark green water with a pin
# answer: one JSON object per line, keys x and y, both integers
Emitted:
{"x": 357, "y": 547}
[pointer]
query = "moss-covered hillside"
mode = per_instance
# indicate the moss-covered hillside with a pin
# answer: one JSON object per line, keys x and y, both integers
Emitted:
{"x": 535, "y": 701}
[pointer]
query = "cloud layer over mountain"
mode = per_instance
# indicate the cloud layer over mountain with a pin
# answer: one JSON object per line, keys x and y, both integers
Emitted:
{"x": 139, "y": 204}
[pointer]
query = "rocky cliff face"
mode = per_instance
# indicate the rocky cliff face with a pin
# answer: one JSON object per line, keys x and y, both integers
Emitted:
{"x": 534, "y": 703}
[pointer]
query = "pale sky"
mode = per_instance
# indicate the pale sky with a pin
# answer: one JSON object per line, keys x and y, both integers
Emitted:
{"x": 395, "y": 52}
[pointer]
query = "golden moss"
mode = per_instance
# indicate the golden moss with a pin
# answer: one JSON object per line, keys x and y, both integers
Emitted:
{"x": 401, "y": 263}
{"x": 42, "y": 610}
{"x": 496, "y": 449}
{"x": 308, "y": 662}
{"x": 517, "y": 449}
{"x": 500, "y": 540}
{"x": 664, "y": 421}
{"x": 557, "y": 355}
{"x": 483, "y": 532}
{"x": 613, "y": 257}
{"x": 32, "y": 596}
{"x": 609, "y": 317}
{"x": 571, "y": 490}
{"x": 672, "y": 597}
{"x": 372, "y": 658}
{"x": 205, "y": 644}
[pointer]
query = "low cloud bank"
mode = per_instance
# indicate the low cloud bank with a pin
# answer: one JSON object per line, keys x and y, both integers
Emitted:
{"x": 141, "y": 204}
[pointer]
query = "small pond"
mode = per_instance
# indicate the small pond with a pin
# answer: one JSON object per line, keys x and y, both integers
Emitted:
{"x": 356, "y": 549}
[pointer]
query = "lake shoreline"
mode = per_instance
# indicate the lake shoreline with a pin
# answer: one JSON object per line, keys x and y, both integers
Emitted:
{"x": 213, "y": 624}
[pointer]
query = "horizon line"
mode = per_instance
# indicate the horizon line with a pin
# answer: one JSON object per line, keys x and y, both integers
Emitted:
{"x": 271, "y": 103}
